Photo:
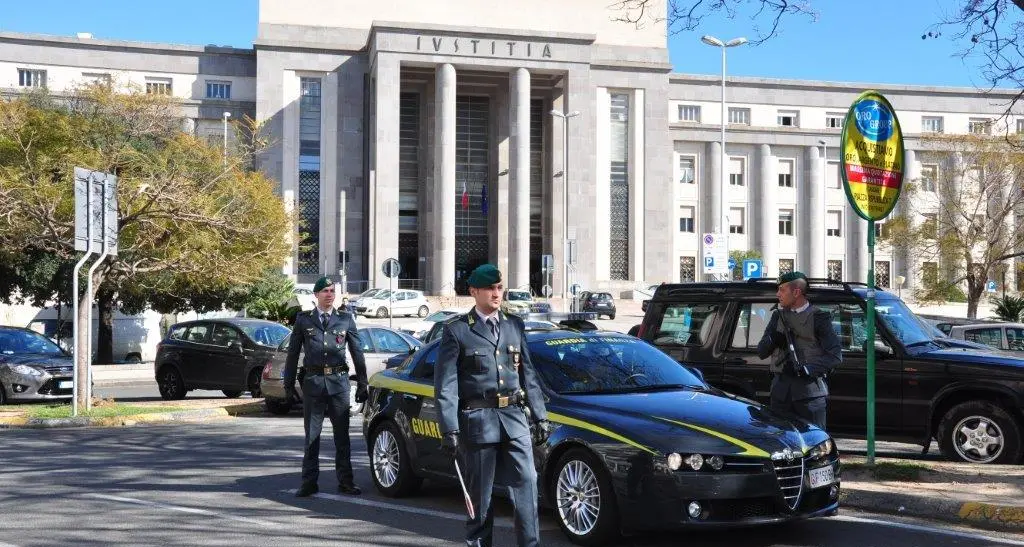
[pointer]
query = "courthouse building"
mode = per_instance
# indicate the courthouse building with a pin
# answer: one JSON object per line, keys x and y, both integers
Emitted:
{"x": 424, "y": 131}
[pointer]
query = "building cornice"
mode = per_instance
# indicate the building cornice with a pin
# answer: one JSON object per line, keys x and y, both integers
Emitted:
{"x": 123, "y": 45}
{"x": 819, "y": 85}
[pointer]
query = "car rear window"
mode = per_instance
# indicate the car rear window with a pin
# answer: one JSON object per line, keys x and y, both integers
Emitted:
{"x": 684, "y": 324}
{"x": 992, "y": 336}
{"x": 177, "y": 332}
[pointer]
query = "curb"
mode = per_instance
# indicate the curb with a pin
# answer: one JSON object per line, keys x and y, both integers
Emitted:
{"x": 201, "y": 414}
{"x": 1003, "y": 518}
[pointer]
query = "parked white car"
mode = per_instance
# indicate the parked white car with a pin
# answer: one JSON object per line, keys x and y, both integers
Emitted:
{"x": 1004, "y": 336}
{"x": 419, "y": 329}
{"x": 393, "y": 303}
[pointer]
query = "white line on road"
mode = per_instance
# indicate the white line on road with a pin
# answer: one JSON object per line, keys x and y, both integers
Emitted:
{"x": 504, "y": 522}
{"x": 928, "y": 529}
{"x": 181, "y": 509}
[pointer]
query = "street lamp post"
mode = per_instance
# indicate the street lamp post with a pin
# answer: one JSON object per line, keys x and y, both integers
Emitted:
{"x": 721, "y": 224}
{"x": 565, "y": 201}
{"x": 226, "y": 116}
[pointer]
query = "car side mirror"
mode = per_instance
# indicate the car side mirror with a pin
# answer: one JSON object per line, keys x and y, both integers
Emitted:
{"x": 881, "y": 349}
{"x": 413, "y": 349}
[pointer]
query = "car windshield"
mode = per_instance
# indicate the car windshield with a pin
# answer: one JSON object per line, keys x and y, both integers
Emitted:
{"x": 266, "y": 334}
{"x": 514, "y": 296}
{"x": 20, "y": 342}
{"x": 438, "y": 316}
{"x": 382, "y": 294}
{"x": 607, "y": 363}
{"x": 370, "y": 293}
{"x": 902, "y": 322}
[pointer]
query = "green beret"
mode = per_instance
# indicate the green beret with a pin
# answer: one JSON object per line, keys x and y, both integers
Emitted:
{"x": 322, "y": 284}
{"x": 484, "y": 276}
{"x": 791, "y": 276}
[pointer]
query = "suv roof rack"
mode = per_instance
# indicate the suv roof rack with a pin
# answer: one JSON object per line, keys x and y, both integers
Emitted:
{"x": 846, "y": 285}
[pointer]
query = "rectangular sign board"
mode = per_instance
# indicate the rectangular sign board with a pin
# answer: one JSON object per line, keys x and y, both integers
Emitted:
{"x": 716, "y": 254}
{"x": 94, "y": 185}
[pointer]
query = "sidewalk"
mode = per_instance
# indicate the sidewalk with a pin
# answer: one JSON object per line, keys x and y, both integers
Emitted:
{"x": 186, "y": 410}
{"x": 984, "y": 496}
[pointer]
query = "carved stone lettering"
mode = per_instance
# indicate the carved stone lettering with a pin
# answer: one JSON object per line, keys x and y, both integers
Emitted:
{"x": 452, "y": 46}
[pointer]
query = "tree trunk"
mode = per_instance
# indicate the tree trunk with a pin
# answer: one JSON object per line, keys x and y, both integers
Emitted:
{"x": 105, "y": 337}
{"x": 973, "y": 297}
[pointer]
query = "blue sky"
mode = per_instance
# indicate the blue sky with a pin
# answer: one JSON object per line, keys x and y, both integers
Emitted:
{"x": 833, "y": 48}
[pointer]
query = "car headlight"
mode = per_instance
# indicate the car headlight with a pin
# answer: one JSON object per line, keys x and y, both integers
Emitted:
{"x": 674, "y": 461}
{"x": 26, "y": 370}
{"x": 822, "y": 449}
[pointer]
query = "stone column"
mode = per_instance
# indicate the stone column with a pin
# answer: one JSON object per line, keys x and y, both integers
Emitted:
{"x": 444, "y": 181}
{"x": 907, "y": 267}
{"x": 767, "y": 188}
{"x": 713, "y": 196}
{"x": 811, "y": 231}
{"x": 384, "y": 232}
{"x": 519, "y": 193}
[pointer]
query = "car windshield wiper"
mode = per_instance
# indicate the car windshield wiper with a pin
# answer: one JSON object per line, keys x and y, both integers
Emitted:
{"x": 922, "y": 343}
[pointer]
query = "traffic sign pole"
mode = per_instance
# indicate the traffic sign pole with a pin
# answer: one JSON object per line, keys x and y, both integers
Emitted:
{"x": 871, "y": 344}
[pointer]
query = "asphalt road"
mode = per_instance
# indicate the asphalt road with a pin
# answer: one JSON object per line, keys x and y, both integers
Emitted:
{"x": 230, "y": 482}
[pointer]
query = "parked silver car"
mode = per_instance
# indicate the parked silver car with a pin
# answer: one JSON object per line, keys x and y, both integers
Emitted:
{"x": 32, "y": 367}
{"x": 378, "y": 344}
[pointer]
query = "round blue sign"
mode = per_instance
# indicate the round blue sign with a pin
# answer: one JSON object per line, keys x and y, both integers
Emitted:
{"x": 732, "y": 263}
{"x": 873, "y": 120}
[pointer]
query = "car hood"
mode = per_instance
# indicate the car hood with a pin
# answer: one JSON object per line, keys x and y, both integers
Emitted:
{"x": 52, "y": 364}
{"x": 975, "y": 356}
{"x": 417, "y": 326}
{"x": 687, "y": 421}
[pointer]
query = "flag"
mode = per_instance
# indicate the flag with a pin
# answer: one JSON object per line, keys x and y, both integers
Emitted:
{"x": 483, "y": 198}
{"x": 465, "y": 196}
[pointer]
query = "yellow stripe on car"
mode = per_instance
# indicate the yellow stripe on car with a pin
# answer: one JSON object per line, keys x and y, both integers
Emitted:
{"x": 563, "y": 419}
{"x": 748, "y": 449}
{"x": 402, "y": 386}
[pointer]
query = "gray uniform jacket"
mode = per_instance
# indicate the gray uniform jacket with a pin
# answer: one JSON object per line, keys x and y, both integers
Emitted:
{"x": 324, "y": 347}
{"x": 472, "y": 365}
{"x": 818, "y": 347}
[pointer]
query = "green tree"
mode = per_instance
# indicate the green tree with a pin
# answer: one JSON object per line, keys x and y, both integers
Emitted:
{"x": 192, "y": 219}
{"x": 1008, "y": 308}
{"x": 739, "y": 257}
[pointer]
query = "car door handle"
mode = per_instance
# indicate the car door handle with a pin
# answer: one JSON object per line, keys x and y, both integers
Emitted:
{"x": 409, "y": 396}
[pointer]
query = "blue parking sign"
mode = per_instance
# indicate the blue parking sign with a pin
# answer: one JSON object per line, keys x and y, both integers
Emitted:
{"x": 732, "y": 263}
{"x": 752, "y": 269}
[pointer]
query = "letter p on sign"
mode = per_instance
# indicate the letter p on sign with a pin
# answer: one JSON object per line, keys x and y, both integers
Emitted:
{"x": 751, "y": 268}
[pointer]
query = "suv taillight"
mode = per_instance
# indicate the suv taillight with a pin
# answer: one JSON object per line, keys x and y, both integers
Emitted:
{"x": 267, "y": 368}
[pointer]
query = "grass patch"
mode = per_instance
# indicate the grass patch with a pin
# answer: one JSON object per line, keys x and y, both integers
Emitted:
{"x": 64, "y": 410}
{"x": 890, "y": 471}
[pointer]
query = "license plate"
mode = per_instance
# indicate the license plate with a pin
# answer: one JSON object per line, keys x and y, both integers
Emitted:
{"x": 66, "y": 384}
{"x": 822, "y": 476}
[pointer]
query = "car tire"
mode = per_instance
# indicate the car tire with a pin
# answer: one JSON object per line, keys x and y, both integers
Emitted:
{"x": 390, "y": 464}
{"x": 277, "y": 407}
{"x": 991, "y": 433}
{"x": 578, "y": 471}
{"x": 382, "y": 312}
{"x": 232, "y": 393}
{"x": 3, "y": 395}
{"x": 133, "y": 359}
{"x": 253, "y": 383}
{"x": 170, "y": 384}
{"x": 422, "y": 312}
{"x": 612, "y": 317}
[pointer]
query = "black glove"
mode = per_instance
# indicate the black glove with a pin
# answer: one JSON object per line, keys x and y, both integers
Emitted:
{"x": 541, "y": 431}
{"x": 450, "y": 443}
{"x": 361, "y": 393}
{"x": 779, "y": 339}
{"x": 293, "y": 394}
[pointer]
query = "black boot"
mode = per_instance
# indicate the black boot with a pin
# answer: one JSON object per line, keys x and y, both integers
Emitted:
{"x": 350, "y": 489}
{"x": 307, "y": 489}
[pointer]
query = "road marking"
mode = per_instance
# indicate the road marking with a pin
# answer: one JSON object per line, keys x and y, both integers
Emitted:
{"x": 928, "y": 529}
{"x": 504, "y": 522}
{"x": 192, "y": 510}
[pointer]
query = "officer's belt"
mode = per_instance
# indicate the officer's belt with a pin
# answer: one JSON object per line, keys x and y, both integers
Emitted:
{"x": 327, "y": 370}
{"x": 500, "y": 401}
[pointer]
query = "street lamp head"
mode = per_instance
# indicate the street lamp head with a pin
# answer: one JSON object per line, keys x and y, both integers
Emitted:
{"x": 227, "y": 114}
{"x": 822, "y": 142}
{"x": 736, "y": 42}
{"x": 557, "y": 114}
{"x": 573, "y": 114}
{"x": 711, "y": 41}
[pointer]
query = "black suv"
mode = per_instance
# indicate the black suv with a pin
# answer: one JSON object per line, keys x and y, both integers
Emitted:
{"x": 225, "y": 354}
{"x": 927, "y": 385}
{"x": 600, "y": 303}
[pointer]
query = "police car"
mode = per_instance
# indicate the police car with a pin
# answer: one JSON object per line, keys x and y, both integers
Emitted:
{"x": 639, "y": 443}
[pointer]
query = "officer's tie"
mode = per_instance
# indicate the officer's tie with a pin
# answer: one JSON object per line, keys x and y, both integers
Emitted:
{"x": 493, "y": 323}
{"x": 323, "y": 320}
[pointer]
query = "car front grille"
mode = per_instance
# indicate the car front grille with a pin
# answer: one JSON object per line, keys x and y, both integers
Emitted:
{"x": 50, "y": 388}
{"x": 59, "y": 371}
{"x": 790, "y": 474}
{"x": 741, "y": 509}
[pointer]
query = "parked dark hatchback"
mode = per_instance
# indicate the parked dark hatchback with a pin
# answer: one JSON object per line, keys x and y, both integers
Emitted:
{"x": 927, "y": 386}
{"x": 600, "y": 303}
{"x": 225, "y": 354}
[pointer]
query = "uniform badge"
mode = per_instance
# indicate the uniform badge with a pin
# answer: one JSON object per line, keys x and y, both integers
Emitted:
{"x": 514, "y": 351}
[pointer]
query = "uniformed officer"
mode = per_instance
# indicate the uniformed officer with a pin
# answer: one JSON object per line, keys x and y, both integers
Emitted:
{"x": 798, "y": 385}
{"x": 485, "y": 382}
{"x": 322, "y": 334}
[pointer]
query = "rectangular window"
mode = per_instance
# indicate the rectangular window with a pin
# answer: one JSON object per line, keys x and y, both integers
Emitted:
{"x": 689, "y": 113}
{"x": 619, "y": 186}
{"x": 31, "y": 78}
{"x": 158, "y": 86}
{"x": 739, "y": 116}
{"x": 686, "y": 170}
{"x": 929, "y": 176}
{"x": 834, "y": 270}
{"x": 750, "y": 328}
{"x": 218, "y": 90}
{"x": 686, "y": 219}
{"x": 736, "y": 169}
{"x": 786, "y": 265}
{"x": 882, "y": 273}
{"x": 1020, "y": 126}
{"x": 683, "y": 324}
{"x": 96, "y": 78}
{"x": 786, "y": 173}
{"x": 930, "y": 226}
{"x": 834, "y": 120}
{"x": 687, "y": 269}
{"x": 833, "y": 177}
{"x": 789, "y": 118}
{"x": 979, "y": 126}
{"x": 881, "y": 232}
{"x": 975, "y": 177}
{"x": 834, "y": 223}
{"x": 785, "y": 222}
{"x": 931, "y": 124}
{"x": 309, "y": 174}
{"x": 736, "y": 220}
